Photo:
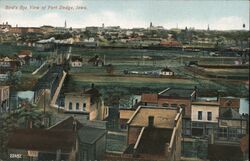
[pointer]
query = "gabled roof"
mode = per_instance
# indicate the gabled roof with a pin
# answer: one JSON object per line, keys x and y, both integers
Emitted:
{"x": 67, "y": 124}
{"x": 166, "y": 69}
{"x": 231, "y": 114}
{"x": 76, "y": 58}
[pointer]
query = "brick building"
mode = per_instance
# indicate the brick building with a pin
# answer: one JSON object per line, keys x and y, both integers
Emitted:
{"x": 154, "y": 133}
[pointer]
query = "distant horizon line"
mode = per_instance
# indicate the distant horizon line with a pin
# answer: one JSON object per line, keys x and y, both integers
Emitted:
{"x": 193, "y": 28}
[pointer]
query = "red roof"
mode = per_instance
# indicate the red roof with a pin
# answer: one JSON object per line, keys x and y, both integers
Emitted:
{"x": 42, "y": 140}
{"x": 25, "y": 52}
{"x": 151, "y": 98}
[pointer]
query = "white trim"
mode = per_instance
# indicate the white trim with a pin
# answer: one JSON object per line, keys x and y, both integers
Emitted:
{"x": 139, "y": 138}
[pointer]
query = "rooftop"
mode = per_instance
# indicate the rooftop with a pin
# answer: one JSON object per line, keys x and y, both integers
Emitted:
{"x": 24, "y": 52}
{"x": 166, "y": 69}
{"x": 90, "y": 135}
{"x": 90, "y": 91}
{"x": 76, "y": 58}
{"x": 206, "y": 103}
{"x": 163, "y": 117}
{"x": 42, "y": 140}
{"x": 68, "y": 124}
{"x": 152, "y": 98}
{"x": 231, "y": 114}
{"x": 177, "y": 93}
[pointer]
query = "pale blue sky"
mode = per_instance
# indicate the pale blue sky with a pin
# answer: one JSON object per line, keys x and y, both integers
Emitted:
{"x": 230, "y": 14}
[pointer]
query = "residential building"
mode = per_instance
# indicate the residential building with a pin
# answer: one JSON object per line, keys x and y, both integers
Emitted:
{"x": 204, "y": 117}
{"x": 43, "y": 144}
{"x": 68, "y": 140}
{"x": 24, "y": 53}
{"x": 23, "y": 30}
{"x": 154, "y": 133}
{"x": 76, "y": 61}
{"x": 96, "y": 61}
{"x": 232, "y": 126}
{"x": 229, "y": 102}
{"x": 4, "y": 98}
{"x": 166, "y": 72}
{"x": 174, "y": 97}
{"x": 124, "y": 116}
{"x": 87, "y": 102}
{"x": 92, "y": 143}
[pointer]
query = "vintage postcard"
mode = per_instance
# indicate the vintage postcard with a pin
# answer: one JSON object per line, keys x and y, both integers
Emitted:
{"x": 124, "y": 80}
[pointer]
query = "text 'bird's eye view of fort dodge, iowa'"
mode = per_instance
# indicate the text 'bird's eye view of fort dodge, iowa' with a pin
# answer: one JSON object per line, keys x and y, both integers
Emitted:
{"x": 136, "y": 80}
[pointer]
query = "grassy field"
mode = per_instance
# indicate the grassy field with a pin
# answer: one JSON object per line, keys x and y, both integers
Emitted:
{"x": 135, "y": 60}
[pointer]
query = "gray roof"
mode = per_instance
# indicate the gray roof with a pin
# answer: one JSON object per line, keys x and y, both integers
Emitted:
{"x": 90, "y": 135}
{"x": 177, "y": 93}
{"x": 231, "y": 114}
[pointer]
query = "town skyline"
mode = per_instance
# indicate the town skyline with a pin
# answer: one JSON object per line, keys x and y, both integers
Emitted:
{"x": 223, "y": 15}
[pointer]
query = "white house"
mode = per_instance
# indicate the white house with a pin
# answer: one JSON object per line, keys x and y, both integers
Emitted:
{"x": 166, "y": 71}
{"x": 204, "y": 117}
{"x": 76, "y": 61}
{"x": 203, "y": 111}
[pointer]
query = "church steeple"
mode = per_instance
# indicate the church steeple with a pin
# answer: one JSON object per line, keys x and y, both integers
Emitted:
{"x": 65, "y": 24}
{"x": 208, "y": 29}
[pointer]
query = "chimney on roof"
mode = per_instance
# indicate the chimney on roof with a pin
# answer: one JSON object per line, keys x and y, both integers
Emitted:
{"x": 218, "y": 96}
{"x": 195, "y": 92}
{"x": 92, "y": 85}
{"x": 150, "y": 121}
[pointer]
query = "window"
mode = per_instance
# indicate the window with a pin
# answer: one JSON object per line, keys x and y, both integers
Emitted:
{"x": 165, "y": 105}
{"x": 84, "y": 106}
{"x": 77, "y": 106}
{"x": 70, "y": 106}
{"x": 209, "y": 116}
{"x": 199, "y": 115}
{"x": 222, "y": 132}
{"x": 84, "y": 156}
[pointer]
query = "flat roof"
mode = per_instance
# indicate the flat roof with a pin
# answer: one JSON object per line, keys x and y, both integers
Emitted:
{"x": 163, "y": 117}
{"x": 207, "y": 103}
